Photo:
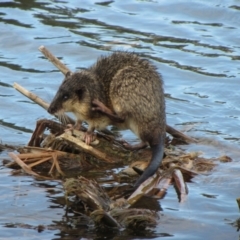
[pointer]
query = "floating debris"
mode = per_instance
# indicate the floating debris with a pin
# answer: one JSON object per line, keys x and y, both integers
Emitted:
{"x": 58, "y": 152}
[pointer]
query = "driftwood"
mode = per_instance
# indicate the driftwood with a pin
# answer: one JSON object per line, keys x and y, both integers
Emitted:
{"x": 177, "y": 134}
{"x": 88, "y": 148}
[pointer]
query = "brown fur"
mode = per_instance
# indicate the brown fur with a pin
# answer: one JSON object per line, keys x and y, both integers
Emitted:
{"x": 126, "y": 84}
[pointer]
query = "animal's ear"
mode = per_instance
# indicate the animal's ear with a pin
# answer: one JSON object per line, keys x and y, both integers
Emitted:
{"x": 68, "y": 74}
{"x": 80, "y": 92}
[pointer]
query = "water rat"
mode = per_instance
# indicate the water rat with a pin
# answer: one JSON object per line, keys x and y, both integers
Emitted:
{"x": 121, "y": 89}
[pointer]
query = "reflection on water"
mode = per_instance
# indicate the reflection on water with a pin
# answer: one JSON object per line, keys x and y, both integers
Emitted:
{"x": 195, "y": 47}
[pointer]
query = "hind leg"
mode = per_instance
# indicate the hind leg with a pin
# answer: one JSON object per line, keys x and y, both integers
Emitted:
{"x": 138, "y": 146}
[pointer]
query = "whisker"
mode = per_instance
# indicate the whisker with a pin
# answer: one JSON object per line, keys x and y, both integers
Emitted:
{"x": 62, "y": 118}
{"x": 59, "y": 117}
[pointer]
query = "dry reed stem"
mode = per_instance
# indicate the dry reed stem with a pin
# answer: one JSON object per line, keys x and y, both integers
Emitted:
{"x": 24, "y": 166}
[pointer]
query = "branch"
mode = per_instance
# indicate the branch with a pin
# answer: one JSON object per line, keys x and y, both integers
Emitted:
{"x": 25, "y": 167}
{"x": 177, "y": 134}
{"x": 54, "y": 60}
{"x": 31, "y": 96}
{"x": 39, "y": 101}
{"x": 87, "y": 148}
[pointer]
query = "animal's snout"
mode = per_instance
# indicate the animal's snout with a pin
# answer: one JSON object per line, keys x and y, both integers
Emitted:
{"x": 51, "y": 109}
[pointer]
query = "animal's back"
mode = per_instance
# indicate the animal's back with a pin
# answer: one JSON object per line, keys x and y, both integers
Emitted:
{"x": 135, "y": 92}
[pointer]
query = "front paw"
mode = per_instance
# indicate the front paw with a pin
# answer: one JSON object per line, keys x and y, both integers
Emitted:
{"x": 89, "y": 137}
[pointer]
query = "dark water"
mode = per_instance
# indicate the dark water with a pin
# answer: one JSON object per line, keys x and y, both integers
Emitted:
{"x": 196, "y": 47}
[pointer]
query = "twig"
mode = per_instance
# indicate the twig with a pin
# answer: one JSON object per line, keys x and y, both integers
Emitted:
{"x": 38, "y": 100}
{"x": 24, "y": 166}
{"x": 35, "y": 163}
{"x": 55, "y": 163}
{"x": 87, "y": 148}
{"x": 43, "y": 154}
{"x": 54, "y": 60}
{"x": 175, "y": 133}
{"x": 31, "y": 96}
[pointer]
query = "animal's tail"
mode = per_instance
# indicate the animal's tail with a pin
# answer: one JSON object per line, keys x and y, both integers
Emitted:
{"x": 157, "y": 156}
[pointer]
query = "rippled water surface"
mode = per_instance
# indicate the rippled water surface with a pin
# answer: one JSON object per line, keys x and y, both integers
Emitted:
{"x": 196, "y": 47}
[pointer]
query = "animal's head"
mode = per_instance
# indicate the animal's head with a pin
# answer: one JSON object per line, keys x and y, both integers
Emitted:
{"x": 74, "y": 95}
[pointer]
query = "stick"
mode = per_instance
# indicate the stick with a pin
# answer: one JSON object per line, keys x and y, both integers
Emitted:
{"x": 31, "y": 96}
{"x": 175, "y": 133}
{"x": 41, "y": 155}
{"x": 35, "y": 163}
{"x": 39, "y": 101}
{"x": 25, "y": 167}
{"x": 55, "y": 163}
{"x": 87, "y": 148}
{"x": 54, "y": 60}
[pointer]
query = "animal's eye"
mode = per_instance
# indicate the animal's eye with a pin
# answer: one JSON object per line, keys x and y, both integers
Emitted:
{"x": 65, "y": 97}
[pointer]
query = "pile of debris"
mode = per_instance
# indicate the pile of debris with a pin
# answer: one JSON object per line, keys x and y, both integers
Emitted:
{"x": 57, "y": 152}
